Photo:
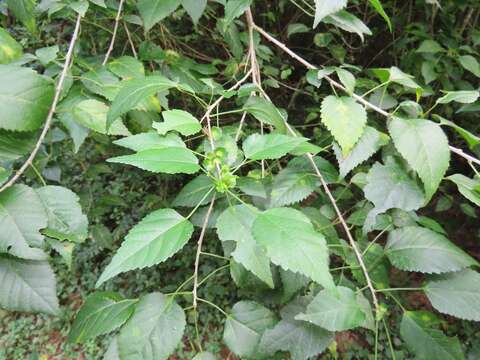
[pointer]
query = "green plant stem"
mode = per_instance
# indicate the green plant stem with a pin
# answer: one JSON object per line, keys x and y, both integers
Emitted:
{"x": 40, "y": 177}
{"x": 213, "y": 305}
{"x": 212, "y": 274}
{"x": 399, "y": 289}
{"x": 199, "y": 203}
{"x": 387, "y": 332}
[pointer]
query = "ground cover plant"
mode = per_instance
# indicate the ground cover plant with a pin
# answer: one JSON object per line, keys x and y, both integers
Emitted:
{"x": 193, "y": 179}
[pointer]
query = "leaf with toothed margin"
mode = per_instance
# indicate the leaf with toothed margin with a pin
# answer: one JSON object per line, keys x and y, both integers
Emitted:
{"x": 291, "y": 186}
{"x": 153, "y": 240}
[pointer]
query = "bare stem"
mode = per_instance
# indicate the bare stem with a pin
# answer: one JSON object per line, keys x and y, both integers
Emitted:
{"x": 53, "y": 107}
{"x": 115, "y": 29}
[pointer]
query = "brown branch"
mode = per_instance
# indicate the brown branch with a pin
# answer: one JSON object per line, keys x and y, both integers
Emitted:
{"x": 115, "y": 29}
{"x": 53, "y": 107}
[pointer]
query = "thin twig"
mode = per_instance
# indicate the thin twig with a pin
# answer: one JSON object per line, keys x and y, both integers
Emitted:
{"x": 341, "y": 87}
{"x": 199, "y": 252}
{"x": 53, "y": 107}
{"x": 115, "y": 29}
{"x": 130, "y": 40}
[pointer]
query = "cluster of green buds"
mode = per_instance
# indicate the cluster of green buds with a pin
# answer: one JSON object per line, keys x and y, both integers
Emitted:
{"x": 215, "y": 164}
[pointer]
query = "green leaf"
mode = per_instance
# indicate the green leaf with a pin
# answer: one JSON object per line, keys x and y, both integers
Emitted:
{"x": 10, "y": 49}
{"x": 154, "y": 330}
{"x": 22, "y": 215}
{"x": 296, "y": 28}
{"x": 47, "y": 54}
{"x": 345, "y": 119}
{"x": 149, "y": 141}
{"x": 80, "y": 6}
{"x": 266, "y": 112}
{"x": 178, "y": 120}
{"x": 194, "y": 8}
{"x": 470, "y": 63}
{"x": 64, "y": 249}
{"x": 65, "y": 218}
{"x": 368, "y": 144}
{"x": 195, "y": 192}
{"x": 430, "y": 46}
{"x": 462, "y": 96}
{"x": 171, "y": 160}
{"x": 13, "y": 145}
{"x": 235, "y": 224}
{"x": 27, "y": 286}
{"x": 245, "y": 326}
{"x": 24, "y": 10}
{"x": 270, "y": 146}
{"x": 292, "y": 243}
{"x": 132, "y": 92}
{"x": 93, "y": 115}
{"x": 471, "y": 139}
{"x": 205, "y": 355}
{"x": 426, "y": 342}
{"x": 153, "y": 11}
{"x": 101, "y": 82}
{"x": 425, "y": 147}
{"x": 127, "y": 67}
{"x": 378, "y": 6}
{"x": 101, "y": 313}
{"x": 334, "y": 309}
{"x": 291, "y": 186}
{"x": 153, "y": 240}
{"x": 456, "y": 294}
{"x": 25, "y": 98}
{"x": 470, "y": 188}
{"x": 347, "y": 79}
{"x": 323, "y": 8}
{"x": 348, "y": 22}
{"x": 302, "y": 339}
{"x": 414, "y": 248}
{"x": 233, "y": 9}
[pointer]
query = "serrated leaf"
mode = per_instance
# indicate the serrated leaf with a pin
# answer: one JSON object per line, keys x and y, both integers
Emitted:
{"x": 150, "y": 141}
{"x": 153, "y": 240}
{"x": 27, "y": 285}
{"x": 348, "y": 22}
{"x": 292, "y": 243}
{"x": 195, "y": 192}
{"x": 22, "y": 215}
{"x": 368, "y": 144}
{"x": 461, "y": 96}
{"x": 425, "y": 147}
{"x": 334, "y": 309}
{"x": 470, "y": 188}
{"x": 456, "y": 294}
{"x": 414, "y": 248}
{"x": 25, "y": 98}
{"x": 194, "y": 8}
{"x": 247, "y": 252}
{"x": 153, "y": 11}
{"x": 13, "y": 145}
{"x": 233, "y": 9}
{"x": 470, "y": 63}
{"x": 244, "y": 327}
{"x": 178, "y": 120}
{"x": 132, "y": 92}
{"x": 127, "y": 67}
{"x": 270, "y": 146}
{"x": 10, "y": 49}
{"x": 101, "y": 313}
{"x": 265, "y": 112}
{"x": 291, "y": 186}
{"x": 323, "y": 8}
{"x": 154, "y": 330}
{"x": 65, "y": 218}
{"x": 101, "y": 82}
{"x": 345, "y": 119}
{"x": 425, "y": 342}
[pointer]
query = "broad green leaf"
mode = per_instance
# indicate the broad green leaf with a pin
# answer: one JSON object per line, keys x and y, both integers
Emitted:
{"x": 265, "y": 112}
{"x": 127, "y": 67}
{"x": 302, "y": 339}
{"x": 348, "y": 22}
{"x": 334, "y": 309}
{"x": 153, "y": 240}
{"x": 153, "y": 11}
{"x": 291, "y": 186}
{"x": 65, "y": 218}
{"x": 25, "y": 98}
{"x": 470, "y": 63}
{"x": 24, "y": 10}
{"x": 154, "y": 330}
{"x": 132, "y": 92}
{"x": 471, "y": 139}
{"x": 297, "y": 28}
{"x": 233, "y": 9}
{"x": 194, "y": 8}
{"x": 93, "y": 115}
{"x": 10, "y": 49}
{"x": 178, "y": 120}
{"x": 171, "y": 160}
{"x": 425, "y": 147}
{"x": 235, "y": 224}
{"x": 470, "y": 188}
{"x": 395, "y": 75}
{"x": 270, "y": 146}
{"x": 456, "y": 294}
{"x": 414, "y": 248}
{"x": 292, "y": 243}
{"x": 13, "y": 145}
{"x": 302, "y": 164}
{"x": 195, "y": 192}
{"x": 461, "y": 96}
{"x": 426, "y": 342}
{"x": 377, "y": 264}
{"x": 323, "y": 8}
{"x": 347, "y": 79}
{"x": 47, "y": 54}
{"x": 345, "y": 119}
{"x": 368, "y": 144}
{"x": 378, "y": 6}
{"x": 27, "y": 285}
{"x": 101, "y": 82}
{"x": 430, "y": 46}
{"x": 244, "y": 327}
{"x": 80, "y": 6}
{"x": 149, "y": 141}
{"x": 22, "y": 216}
{"x": 101, "y": 313}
